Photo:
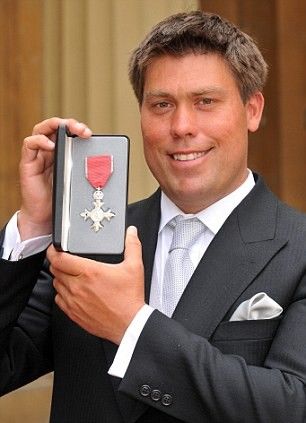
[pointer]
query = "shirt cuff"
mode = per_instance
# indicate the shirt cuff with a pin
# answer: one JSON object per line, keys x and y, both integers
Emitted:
{"x": 14, "y": 249}
{"x": 128, "y": 343}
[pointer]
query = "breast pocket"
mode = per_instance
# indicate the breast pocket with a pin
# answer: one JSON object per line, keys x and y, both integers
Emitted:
{"x": 251, "y": 339}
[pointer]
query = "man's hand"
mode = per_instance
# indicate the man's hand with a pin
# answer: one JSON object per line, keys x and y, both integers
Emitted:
{"x": 36, "y": 170}
{"x": 102, "y": 298}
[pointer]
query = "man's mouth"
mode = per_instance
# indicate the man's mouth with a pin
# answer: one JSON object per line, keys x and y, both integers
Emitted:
{"x": 189, "y": 156}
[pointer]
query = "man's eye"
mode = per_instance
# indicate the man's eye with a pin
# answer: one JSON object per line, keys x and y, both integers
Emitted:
{"x": 162, "y": 105}
{"x": 206, "y": 101}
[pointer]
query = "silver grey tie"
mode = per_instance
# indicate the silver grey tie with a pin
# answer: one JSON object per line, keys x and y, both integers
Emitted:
{"x": 179, "y": 267}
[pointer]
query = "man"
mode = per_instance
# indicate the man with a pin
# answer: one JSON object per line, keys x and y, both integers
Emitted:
{"x": 231, "y": 347}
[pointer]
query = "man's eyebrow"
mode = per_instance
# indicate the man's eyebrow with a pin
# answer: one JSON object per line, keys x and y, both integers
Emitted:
{"x": 156, "y": 93}
{"x": 208, "y": 91}
{"x": 199, "y": 92}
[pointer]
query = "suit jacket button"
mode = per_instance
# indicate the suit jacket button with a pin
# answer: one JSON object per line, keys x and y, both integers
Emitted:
{"x": 156, "y": 395}
{"x": 145, "y": 390}
{"x": 166, "y": 400}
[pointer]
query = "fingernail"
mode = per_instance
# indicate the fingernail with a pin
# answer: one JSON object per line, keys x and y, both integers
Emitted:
{"x": 80, "y": 125}
{"x": 132, "y": 230}
{"x": 86, "y": 131}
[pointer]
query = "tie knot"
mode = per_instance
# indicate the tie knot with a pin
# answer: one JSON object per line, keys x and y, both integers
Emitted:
{"x": 185, "y": 231}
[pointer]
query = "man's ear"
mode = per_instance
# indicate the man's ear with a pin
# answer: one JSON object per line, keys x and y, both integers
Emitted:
{"x": 254, "y": 107}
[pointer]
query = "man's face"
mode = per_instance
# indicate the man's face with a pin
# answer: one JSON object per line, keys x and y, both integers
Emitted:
{"x": 195, "y": 128}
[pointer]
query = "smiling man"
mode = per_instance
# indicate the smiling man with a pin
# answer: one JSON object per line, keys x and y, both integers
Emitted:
{"x": 204, "y": 319}
{"x": 195, "y": 128}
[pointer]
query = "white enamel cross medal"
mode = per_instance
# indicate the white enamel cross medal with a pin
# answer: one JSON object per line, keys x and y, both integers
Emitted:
{"x": 98, "y": 170}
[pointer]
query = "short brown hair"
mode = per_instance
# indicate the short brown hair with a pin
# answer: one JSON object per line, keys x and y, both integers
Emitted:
{"x": 201, "y": 33}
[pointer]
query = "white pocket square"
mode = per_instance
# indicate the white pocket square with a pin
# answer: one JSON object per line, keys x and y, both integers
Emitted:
{"x": 260, "y": 306}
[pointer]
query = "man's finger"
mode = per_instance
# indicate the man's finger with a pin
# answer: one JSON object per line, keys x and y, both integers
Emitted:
{"x": 48, "y": 127}
{"x": 133, "y": 248}
{"x": 66, "y": 263}
{"x": 34, "y": 143}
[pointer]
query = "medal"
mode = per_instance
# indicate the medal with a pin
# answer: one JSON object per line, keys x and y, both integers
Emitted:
{"x": 98, "y": 170}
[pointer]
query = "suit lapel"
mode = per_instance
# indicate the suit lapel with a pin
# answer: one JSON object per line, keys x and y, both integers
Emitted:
{"x": 147, "y": 219}
{"x": 243, "y": 246}
{"x": 145, "y": 215}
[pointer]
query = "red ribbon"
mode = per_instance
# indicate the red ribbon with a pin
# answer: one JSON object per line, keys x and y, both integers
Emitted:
{"x": 98, "y": 169}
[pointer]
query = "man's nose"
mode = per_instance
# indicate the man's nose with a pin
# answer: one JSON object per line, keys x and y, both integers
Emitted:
{"x": 184, "y": 122}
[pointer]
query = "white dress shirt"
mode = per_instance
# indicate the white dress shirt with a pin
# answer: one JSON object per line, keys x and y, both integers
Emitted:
{"x": 213, "y": 217}
{"x": 15, "y": 249}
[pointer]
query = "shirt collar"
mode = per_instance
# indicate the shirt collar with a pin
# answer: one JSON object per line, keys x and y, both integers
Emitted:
{"x": 213, "y": 216}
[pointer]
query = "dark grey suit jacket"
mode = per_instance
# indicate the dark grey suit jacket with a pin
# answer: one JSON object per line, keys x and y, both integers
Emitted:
{"x": 197, "y": 366}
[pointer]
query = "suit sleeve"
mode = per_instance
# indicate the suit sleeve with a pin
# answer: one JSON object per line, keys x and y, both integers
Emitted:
{"x": 25, "y": 302}
{"x": 185, "y": 376}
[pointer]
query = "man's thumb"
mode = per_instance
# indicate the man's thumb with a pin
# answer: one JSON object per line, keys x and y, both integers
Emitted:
{"x": 132, "y": 244}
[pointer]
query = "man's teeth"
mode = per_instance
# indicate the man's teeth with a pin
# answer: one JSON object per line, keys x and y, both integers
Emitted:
{"x": 189, "y": 156}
